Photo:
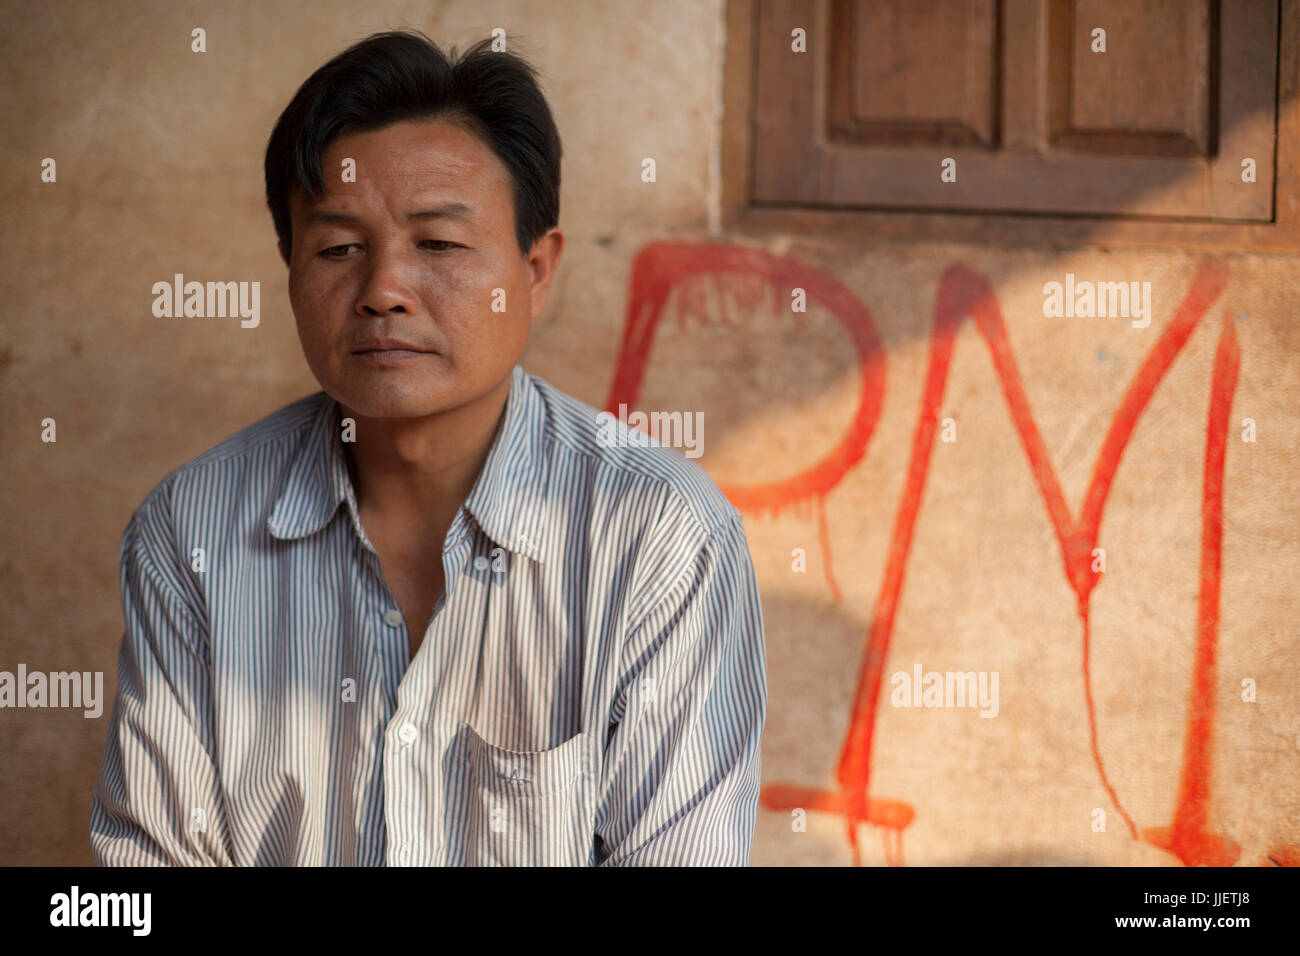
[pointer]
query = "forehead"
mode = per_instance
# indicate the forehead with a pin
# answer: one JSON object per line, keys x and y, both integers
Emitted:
{"x": 418, "y": 157}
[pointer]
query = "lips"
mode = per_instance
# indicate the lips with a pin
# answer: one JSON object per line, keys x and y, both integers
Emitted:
{"x": 386, "y": 345}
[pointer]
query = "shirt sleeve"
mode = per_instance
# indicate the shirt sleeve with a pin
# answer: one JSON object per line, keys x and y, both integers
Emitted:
{"x": 680, "y": 781}
{"x": 158, "y": 799}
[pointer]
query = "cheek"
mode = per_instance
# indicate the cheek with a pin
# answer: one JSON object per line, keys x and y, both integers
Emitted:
{"x": 503, "y": 294}
{"x": 470, "y": 278}
{"x": 461, "y": 300}
{"x": 315, "y": 303}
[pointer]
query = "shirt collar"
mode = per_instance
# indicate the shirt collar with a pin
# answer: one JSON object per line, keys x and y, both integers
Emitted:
{"x": 506, "y": 500}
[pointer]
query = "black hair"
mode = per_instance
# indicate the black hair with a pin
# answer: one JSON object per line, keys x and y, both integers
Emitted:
{"x": 403, "y": 75}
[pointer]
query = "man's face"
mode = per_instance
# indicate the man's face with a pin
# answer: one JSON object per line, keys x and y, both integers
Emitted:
{"x": 364, "y": 268}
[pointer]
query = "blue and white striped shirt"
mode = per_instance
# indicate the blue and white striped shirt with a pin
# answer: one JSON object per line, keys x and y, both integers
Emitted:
{"x": 591, "y": 690}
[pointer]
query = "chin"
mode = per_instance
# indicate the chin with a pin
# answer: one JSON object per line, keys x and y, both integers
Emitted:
{"x": 374, "y": 398}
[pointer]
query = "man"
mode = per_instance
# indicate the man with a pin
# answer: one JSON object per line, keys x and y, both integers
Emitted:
{"x": 427, "y": 616}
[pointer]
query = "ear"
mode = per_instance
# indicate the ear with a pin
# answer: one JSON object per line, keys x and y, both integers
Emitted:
{"x": 543, "y": 260}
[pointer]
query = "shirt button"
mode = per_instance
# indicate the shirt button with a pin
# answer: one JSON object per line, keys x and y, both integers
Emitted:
{"x": 404, "y": 854}
{"x": 481, "y": 563}
{"x": 393, "y": 617}
{"x": 407, "y": 733}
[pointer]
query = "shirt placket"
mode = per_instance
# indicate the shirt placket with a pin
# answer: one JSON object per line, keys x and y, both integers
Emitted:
{"x": 410, "y": 764}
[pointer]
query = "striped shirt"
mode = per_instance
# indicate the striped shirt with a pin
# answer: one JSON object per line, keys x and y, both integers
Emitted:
{"x": 591, "y": 689}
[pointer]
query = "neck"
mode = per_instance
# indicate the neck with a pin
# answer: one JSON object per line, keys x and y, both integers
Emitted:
{"x": 421, "y": 470}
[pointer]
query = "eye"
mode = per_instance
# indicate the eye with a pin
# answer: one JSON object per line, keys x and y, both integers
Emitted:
{"x": 337, "y": 252}
{"x": 326, "y": 252}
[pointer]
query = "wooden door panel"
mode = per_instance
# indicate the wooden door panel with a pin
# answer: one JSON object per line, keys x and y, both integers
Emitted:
{"x": 914, "y": 73}
{"x": 1156, "y": 126}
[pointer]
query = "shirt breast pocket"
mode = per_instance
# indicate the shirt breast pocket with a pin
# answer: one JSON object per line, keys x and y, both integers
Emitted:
{"x": 528, "y": 808}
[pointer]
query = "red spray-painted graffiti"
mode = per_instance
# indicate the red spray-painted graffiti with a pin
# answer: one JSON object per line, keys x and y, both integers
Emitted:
{"x": 660, "y": 267}
{"x": 1189, "y": 838}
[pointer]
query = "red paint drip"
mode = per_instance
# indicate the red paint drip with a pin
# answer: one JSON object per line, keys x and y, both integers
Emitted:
{"x": 824, "y": 537}
{"x": 1092, "y": 724}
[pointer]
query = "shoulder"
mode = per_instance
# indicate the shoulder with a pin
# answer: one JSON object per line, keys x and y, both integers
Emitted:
{"x": 625, "y": 456}
{"x": 248, "y": 464}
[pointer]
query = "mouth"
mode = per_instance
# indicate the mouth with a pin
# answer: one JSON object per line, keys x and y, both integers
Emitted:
{"x": 387, "y": 351}
{"x": 389, "y": 356}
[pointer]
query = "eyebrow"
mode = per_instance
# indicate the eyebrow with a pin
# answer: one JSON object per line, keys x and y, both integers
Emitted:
{"x": 450, "y": 210}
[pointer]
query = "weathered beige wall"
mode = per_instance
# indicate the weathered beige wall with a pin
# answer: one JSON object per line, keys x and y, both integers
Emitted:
{"x": 159, "y": 159}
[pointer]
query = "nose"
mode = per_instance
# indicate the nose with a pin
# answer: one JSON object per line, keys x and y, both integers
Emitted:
{"x": 388, "y": 282}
